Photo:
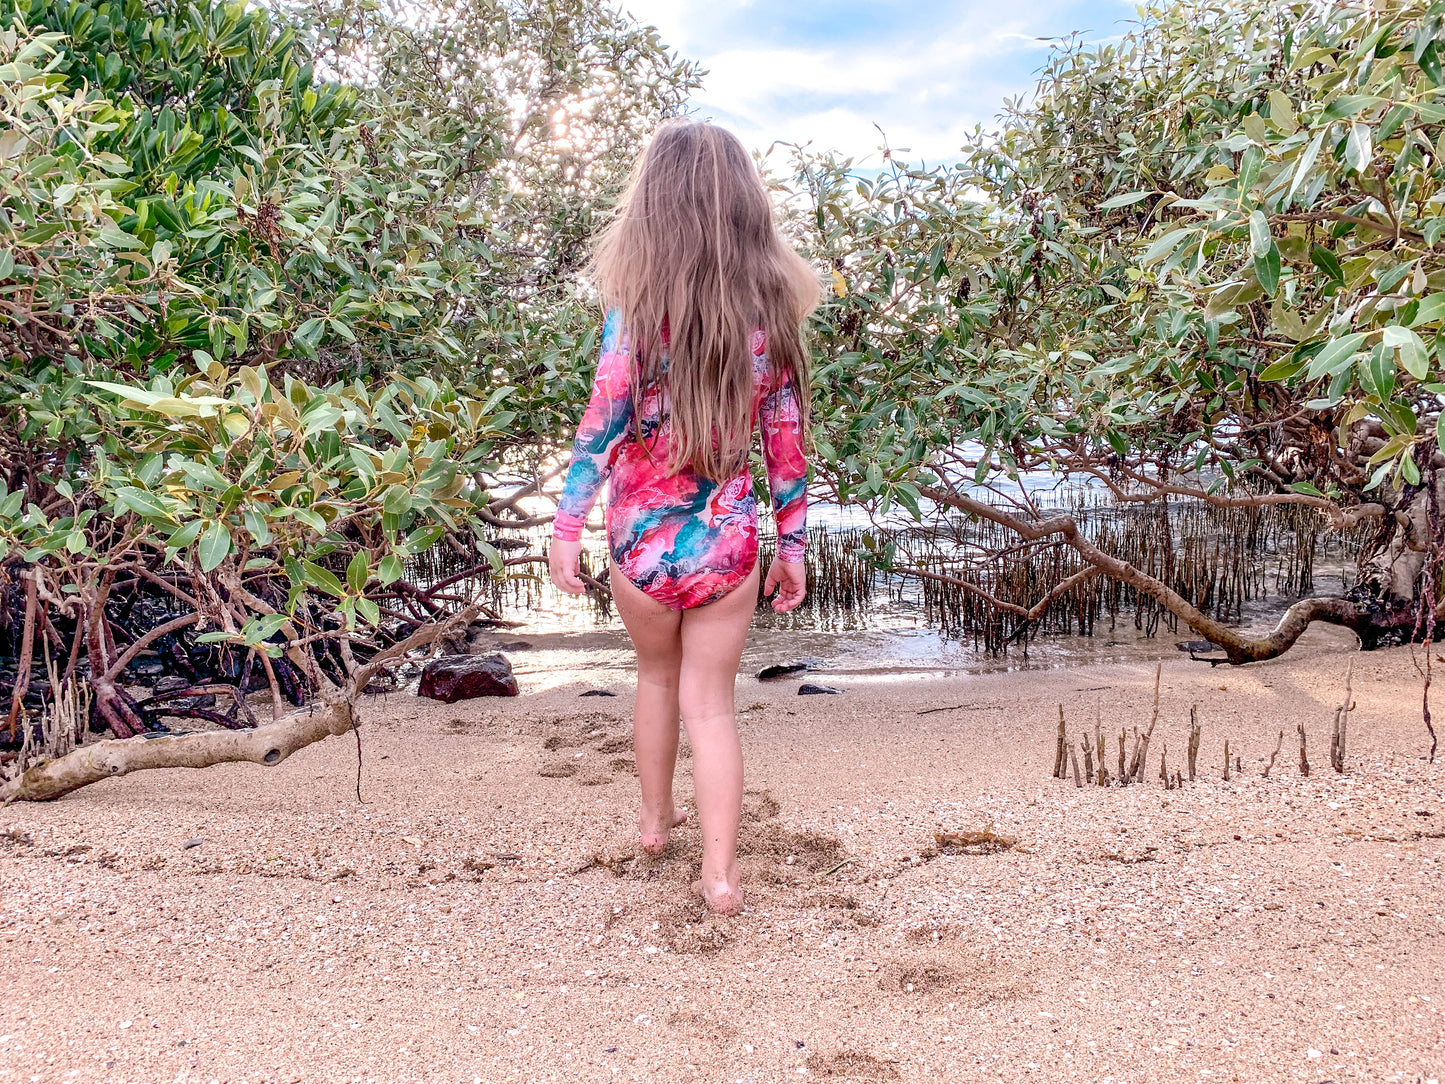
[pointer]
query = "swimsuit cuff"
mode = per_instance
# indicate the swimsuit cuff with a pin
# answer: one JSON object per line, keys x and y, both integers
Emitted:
{"x": 790, "y": 551}
{"x": 566, "y": 528}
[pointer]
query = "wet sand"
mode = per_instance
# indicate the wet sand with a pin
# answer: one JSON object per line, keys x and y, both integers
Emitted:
{"x": 485, "y": 915}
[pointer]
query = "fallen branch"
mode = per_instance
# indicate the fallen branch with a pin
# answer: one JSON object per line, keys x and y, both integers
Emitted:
{"x": 1237, "y": 647}
{"x": 267, "y": 745}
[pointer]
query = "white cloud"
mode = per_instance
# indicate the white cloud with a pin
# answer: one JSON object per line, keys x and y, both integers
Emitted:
{"x": 927, "y": 85}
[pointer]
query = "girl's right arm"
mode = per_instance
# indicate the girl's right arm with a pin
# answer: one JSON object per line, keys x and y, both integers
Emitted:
{"x": 603, "y": 428}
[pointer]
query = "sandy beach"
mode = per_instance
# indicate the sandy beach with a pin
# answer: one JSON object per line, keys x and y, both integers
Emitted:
{"x": 484, "y": 915}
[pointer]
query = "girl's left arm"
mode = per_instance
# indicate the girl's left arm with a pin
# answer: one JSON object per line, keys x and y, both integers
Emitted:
{"x": 603, "y": 428}
{"x": 787, "y": 465}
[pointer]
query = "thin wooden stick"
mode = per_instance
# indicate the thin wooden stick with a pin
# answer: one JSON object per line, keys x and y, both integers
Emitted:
{"x": 1277, "y": 747}
{"x": 1195, "y": 731}
{"x": 1141, "y": 751}
{"x": 1226, "y": 760}
{"x": 27, "y": 649}
{"x": 1078, "y": 779}
{"x": 1342, "y": 718}
{"x": 1060, "y": 768}
{"x": 1304, "y": 761}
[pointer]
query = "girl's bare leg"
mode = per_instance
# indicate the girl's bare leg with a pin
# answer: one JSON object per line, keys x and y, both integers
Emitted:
{"x": 712, "y": 639}
{"x": 656, "y": 634}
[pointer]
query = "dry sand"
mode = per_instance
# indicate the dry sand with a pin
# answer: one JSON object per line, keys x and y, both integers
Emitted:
{"x": 485, "y": 916}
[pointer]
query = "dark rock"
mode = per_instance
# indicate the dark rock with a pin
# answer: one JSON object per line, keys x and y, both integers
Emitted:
{"x": 788, "y": 669}
{"x": 463, "y": 677}
{"x": 598, "y": 692}
{"x": 809, "y": 689}
{"x": 1198, "y": 647}
{"x": 515, "y": 645}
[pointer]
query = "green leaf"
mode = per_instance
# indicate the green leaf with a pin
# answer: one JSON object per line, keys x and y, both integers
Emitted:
{"x": 1306, "y": 488}
{"x": 1440, "y": 432}
{"x": 257, "y": 525}
{"x": 1284, "y": 368}
{"x": 1260, "y": 241}
{"x": 370, "y": 612}
{"x": 396, "y": 500}
{"x": 1305, "y": 165}
{"x": 1429, "y": 61}
{"x": 1281, "y": 112}
{"x": 141, "y": 502}
{"x": 358, "y": 572}
{"x": 215, "y": 543}
{"x": 322, "y": 579}
{"x": 1335, "y": 354}
{"x": 389, "y": 570}
{"x": 1432, "y": 308}
{"x": 39, "y": 235}
{"x": 1358, "y": 148}
{"x": 1409, "y": 472}
{"x": 1125, "y": 200}
{"x": 1266, "y": 269}
{"x": 1325, "y": 260}
{"x": 1347, "y": 105}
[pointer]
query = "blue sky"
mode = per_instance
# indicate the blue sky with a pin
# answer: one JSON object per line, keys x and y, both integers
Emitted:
{"x": 926, "y": 72}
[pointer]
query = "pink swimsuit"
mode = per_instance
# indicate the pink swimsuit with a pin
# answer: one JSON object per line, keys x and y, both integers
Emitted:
{"x": 684, "y": 540}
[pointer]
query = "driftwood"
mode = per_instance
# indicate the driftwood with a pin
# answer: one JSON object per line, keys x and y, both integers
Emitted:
{"x": 1304, "y": 760}
{"x": 332, "y": 715}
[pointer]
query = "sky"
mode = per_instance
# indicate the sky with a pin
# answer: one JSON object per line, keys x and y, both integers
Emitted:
{"x": 926, "y": 72}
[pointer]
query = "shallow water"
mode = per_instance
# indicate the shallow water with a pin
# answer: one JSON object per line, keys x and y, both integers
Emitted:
{"x": 572, "y": 643}
{"x": 879, "y": 632}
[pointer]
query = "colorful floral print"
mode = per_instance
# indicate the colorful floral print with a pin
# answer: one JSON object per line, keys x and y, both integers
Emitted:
{"x": 684, "y": 540}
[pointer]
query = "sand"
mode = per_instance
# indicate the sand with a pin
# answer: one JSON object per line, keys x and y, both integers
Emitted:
{"x": 484, "y": 915}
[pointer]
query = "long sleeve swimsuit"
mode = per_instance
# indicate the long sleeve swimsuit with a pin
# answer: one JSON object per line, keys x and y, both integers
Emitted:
{"x": 684, "y": 540}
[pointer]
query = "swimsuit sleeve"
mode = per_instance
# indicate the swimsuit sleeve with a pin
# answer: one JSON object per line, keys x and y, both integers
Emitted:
{"x": 787, "y": 464}
{"x": 603, "y": 428}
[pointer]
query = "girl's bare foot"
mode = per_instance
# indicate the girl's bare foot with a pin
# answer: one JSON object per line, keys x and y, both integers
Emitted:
{"x": 723, "y": 898}
{"x": 655, "y": 832}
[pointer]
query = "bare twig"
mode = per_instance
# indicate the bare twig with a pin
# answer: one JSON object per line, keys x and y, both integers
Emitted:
{"x": 1277, "y": 747}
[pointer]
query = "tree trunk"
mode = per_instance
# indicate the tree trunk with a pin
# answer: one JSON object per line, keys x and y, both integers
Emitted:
{"x": 1393, "y": 567}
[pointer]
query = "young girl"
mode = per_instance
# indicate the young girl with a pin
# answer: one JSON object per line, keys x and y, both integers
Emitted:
{"x": 703, "y": 340}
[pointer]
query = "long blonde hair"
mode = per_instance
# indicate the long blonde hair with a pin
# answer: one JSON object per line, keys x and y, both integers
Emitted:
{"x": 693, "y": 255}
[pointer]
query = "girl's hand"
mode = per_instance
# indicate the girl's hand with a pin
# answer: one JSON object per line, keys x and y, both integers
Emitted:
{"x": 789, "y": 579}
{"x": 562, "y": 562}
